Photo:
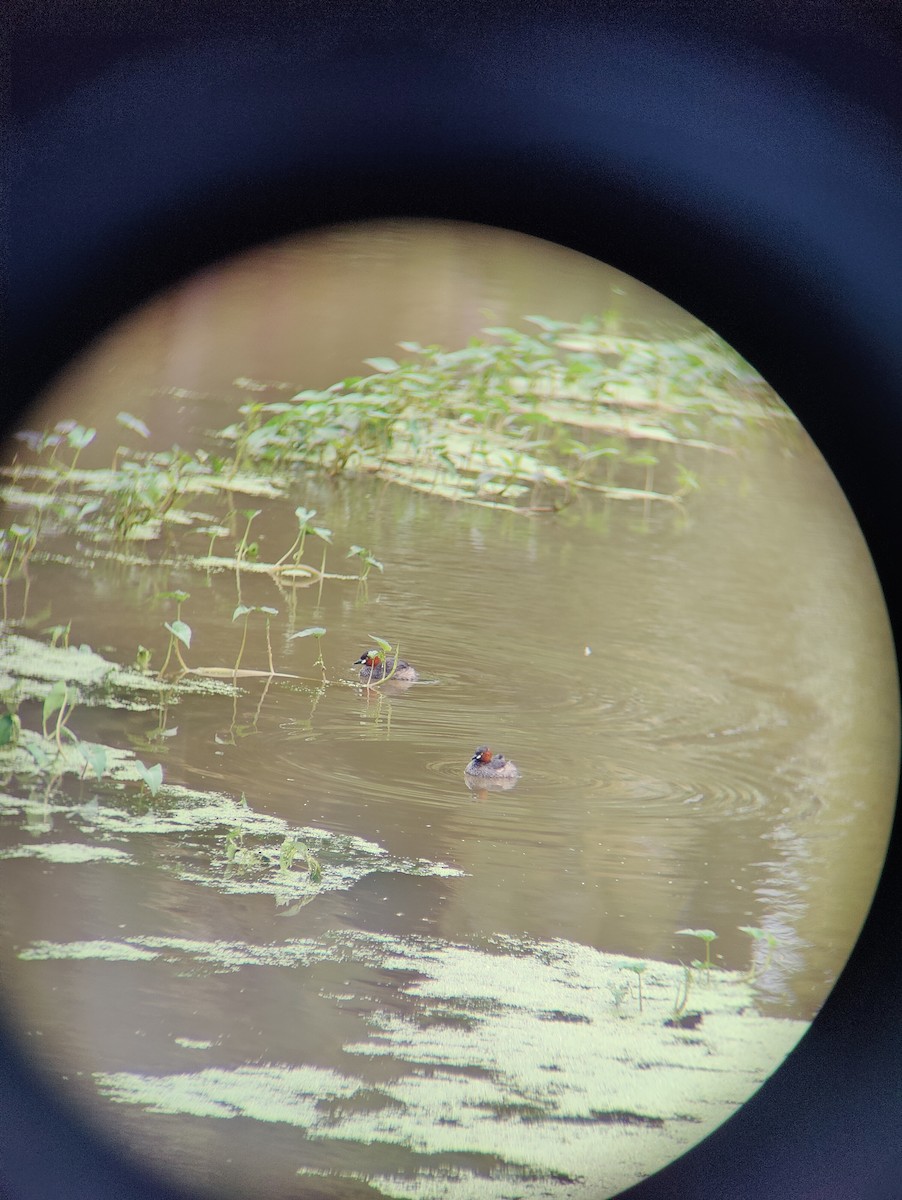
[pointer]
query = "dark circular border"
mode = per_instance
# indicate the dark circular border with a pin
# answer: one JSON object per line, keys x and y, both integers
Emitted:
{"x": 753, "y": 173}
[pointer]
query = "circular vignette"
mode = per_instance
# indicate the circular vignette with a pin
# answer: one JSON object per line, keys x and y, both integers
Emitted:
{"x": 751, "y": 193}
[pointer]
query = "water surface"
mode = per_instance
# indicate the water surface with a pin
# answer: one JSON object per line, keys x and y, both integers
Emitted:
{"x": 701, "y": 703}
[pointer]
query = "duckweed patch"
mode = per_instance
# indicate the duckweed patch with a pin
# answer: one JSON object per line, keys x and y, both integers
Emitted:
{"x": 204, "y": 822}
{"x": 66, "y": 852}
{"x": 30, "y": 668}
{"x": 492, "y": 1100}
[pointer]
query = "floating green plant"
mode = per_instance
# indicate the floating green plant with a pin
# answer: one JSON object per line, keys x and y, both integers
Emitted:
{"x": 60, "y": 700}
{"x": 684, "y": 987}
{"x": 152, "y": 776}
{"x": 287, "y": 851}
{"x": 707, "y": 936}
{"x": 295, "y": 551}
{"x": 366, "y": 559}
{"x": 59, "y": 635}
{"x": 10, "y": 728}
{"x": 758, "y": 936}
{"x": 245, "y": 611}
{"x": 317, "y": 632}
{"x": 520, "y": 420}
{"x": 179, "y": 632}
{"x": 246, "y": 547}
{"x": 95, "y": 757}
{"x": 638, "y": 969}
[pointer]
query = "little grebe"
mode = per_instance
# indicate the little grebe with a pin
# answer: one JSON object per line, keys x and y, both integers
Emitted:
{"x": 486, "y": 765}
{"x": 374, "y": 666}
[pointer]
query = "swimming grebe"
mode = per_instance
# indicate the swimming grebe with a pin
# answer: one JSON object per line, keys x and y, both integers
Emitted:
{"x": 486, "y": 765}
{"x": 375, "y": 666}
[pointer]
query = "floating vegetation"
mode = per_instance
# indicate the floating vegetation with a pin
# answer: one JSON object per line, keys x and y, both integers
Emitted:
{"x": 32, "y": 669}
{"x": 522, "y": 423}
{"x": 517, "y": 421}
{"x": 601, "y": 1102}
{"x": 233, "y": 848}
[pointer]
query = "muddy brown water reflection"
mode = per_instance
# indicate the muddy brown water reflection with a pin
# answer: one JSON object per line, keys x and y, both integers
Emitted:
{"x": 690, "y": 752}
{"x": 703, "y": 709}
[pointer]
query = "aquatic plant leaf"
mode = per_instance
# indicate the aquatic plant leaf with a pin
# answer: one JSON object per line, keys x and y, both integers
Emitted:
{"x": 241, "y": 611}
{"x": 55, "y": 699}
{"x": 133, "y": 423}
{"x": 382, "y": 364}
{"x": 10, "y": 725}
{"x": 152, "y": 776}
{"x": 314, "y": 631}
{"x": 95, "y": 756}
{"x": 180, "y": 630}
{"x": 79, "y": 437}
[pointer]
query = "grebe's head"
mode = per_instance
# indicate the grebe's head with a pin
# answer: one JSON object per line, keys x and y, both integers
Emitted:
{"x": 370, "y": 658}
{"x": 482, "y": 755}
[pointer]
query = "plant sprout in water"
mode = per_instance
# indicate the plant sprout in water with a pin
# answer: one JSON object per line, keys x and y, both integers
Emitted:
{"x": 758, "y": 936}
{"x": 244, "y": 547}
{"x": 25, "y": 540}
{"x": 179, "y": 632}
{"x": 59, "y": 635}
{"x": 367, "y": 561}
{"x": 10, "y": 727}
{"x": 682, "y": 994}
{"x": 61, "y": 699}
{"x": 637, "y": 969}
{"x": 318, "y": 632}
{"x": 152, "y": 776}
{"x": 707, "y": 936}
{"x": 245, "y": 610}
{"x": 296, "y": 549}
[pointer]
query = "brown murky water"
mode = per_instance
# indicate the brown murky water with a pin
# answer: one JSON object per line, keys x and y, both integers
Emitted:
{"x": 703, "y": 708}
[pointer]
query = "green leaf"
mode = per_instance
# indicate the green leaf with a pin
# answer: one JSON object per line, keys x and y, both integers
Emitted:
{"x": 548, "y": 325}
{"x": 382, "y": 364}
{"x": 133, "y": 424}
{"x": 325, "y": 534}
{"x": 287, "y": 851}
{"x": 241, "y": 611}
{"x": 272, "y": 612}
{"x": 313, "y": 631}
{"x": 152, "y": 776}
{"x": 707, "y": 935}
{"x": 180, "y": 630}
{"x": 55, "y": 699}
{"x": 96, "y": 758}
{"x": 79, "y": 437}
{"x": 381, "y": 643}
{"x": 10, "y": 726}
